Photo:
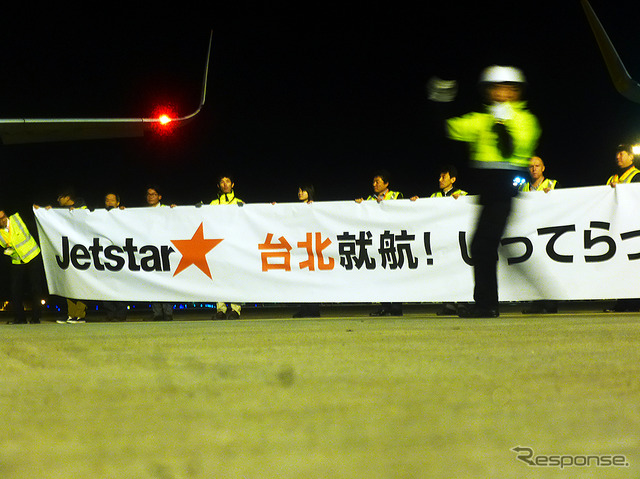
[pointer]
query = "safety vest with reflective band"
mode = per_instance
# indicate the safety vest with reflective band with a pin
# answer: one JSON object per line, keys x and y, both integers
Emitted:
{"x": 451, "y": 192}
{"x": 227, "y": 199}
{"x": 477, "y": 129}
{"x": 389, "y": 195}
{"x": 626, "y": 177}
{"x": 546, "y": 183}
{"x": 19, "y": 240}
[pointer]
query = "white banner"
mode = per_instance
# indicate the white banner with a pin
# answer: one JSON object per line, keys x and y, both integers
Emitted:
{"x": 580, "y": 243}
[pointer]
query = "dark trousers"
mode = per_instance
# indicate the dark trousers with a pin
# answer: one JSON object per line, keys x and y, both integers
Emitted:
{"x": 27, "y": 276}
{"x": 115, "y": 310}
{"x": 162, "y": 311}
{"x": 496, "y": 191}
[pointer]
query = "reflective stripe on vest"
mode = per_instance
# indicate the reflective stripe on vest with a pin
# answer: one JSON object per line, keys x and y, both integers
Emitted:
{"x": 27, "y": 249}
{"x": 389, "y": 195}
{"x": 626, "y": 177}
{"x": 546, "y": 183}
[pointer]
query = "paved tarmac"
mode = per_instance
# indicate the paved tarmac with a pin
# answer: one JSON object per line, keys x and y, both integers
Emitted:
{"x": 342, "y": 396}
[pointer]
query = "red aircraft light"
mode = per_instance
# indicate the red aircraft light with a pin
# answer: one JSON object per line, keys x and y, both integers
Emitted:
{"x": 164, "y": 116}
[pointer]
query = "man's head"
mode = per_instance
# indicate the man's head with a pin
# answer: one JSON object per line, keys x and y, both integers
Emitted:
{"x": 380, "y": 181}
{"x": 502, "y": 83}
{"x": 536, "y": 168}
{"x": 624, "y": 156}
{"x": 153, "y": 196}
{"x": 111, "y": 200}
{"x": 225, "y": 184}
{"x": 3, "y": 220}
{"x": 66, "y": 197}
{"x": 448, "y": 176}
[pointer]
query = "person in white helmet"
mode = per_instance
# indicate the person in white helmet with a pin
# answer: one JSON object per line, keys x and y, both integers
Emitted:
{"x": 502, "y": 138}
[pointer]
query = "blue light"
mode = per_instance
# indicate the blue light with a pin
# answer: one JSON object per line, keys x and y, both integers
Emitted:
{"x": 519, "y": 181}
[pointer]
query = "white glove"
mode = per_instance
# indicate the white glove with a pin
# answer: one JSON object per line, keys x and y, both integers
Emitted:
{"x": 501, "y": 111}
{"x": 441, "y": 90}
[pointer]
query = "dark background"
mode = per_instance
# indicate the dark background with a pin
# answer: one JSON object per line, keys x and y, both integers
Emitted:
{"x": 316, "y": 93}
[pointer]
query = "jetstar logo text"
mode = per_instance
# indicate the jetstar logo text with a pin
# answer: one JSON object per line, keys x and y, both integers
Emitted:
{"x": 137, "y": 258}
{"x": 115, "y": 258}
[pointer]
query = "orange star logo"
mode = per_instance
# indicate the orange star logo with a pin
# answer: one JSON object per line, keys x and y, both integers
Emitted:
{"x": 194, "y": 251}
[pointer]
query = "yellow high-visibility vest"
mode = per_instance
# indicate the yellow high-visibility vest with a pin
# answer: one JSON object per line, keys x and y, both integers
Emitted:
{"x": 19, "y": 241}
{"x": 546, "y": 183}
{"x": 389, "y": 195}
{"x": 477, "y": 129}
{"x": 440, "y": 194}
{"x": 626, "y": 177}
{"x": 227, "y": 199}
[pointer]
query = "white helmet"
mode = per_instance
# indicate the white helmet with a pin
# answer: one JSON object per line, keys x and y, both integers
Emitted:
{"x": 499, "y": 74}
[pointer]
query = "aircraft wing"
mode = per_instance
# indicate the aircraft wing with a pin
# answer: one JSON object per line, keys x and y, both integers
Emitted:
{"x": 40, "y": 130}
{"x": 622, "y": 81}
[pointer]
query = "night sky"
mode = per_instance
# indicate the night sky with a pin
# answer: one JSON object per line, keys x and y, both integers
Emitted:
{"x": 325, "y": 94}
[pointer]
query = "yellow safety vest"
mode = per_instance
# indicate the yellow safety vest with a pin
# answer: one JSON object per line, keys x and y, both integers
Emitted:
{"x": 546, "y": 183}
{"x": 440, "y": 194}
{"x": 477, "y": 129}
{"x": 19, "y": 239}
{"x": 389, "y": 195}
{"x": 626, "y": 177}
{"x": 227, "y": 199}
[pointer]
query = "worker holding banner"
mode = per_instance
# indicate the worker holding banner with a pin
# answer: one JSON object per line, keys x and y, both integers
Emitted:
{"x": 162, "y": 311}
{"x": 381, "y": 192}
{"x": 626, "y": 172}
{"x": 227, "y": 196}
{"x": 448, "y": 177}
{"x": 538, "y": 182}
{"x": 76, "y": 309}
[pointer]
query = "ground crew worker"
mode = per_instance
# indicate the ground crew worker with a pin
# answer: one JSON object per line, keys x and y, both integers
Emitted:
{"x": 76, "y": 309}
{"x": 161, "y": 311}
{"x": 381, "y": 192}
{"x": 227, "y": 196}
{"x": 26, "y": 263}
{"x": 381, "y": 189}
{"x": 307, "y": 194}
{"x": 448, "y": 176}
{"x": 502, "y": 139}
{"x": 627, "y": 172}
{"x": 115, "y": 310}
{"x": 538, "y": 182}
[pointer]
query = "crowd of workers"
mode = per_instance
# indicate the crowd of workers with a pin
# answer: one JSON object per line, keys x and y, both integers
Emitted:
{"x": 502, "y": 140}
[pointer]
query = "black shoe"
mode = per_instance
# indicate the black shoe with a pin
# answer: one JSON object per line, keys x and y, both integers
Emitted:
{"x": 475, "y": 312}
{"x": 34, "y": 321}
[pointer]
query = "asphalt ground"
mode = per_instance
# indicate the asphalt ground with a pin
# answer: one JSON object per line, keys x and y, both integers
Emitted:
{"x": 342, "y": 396}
